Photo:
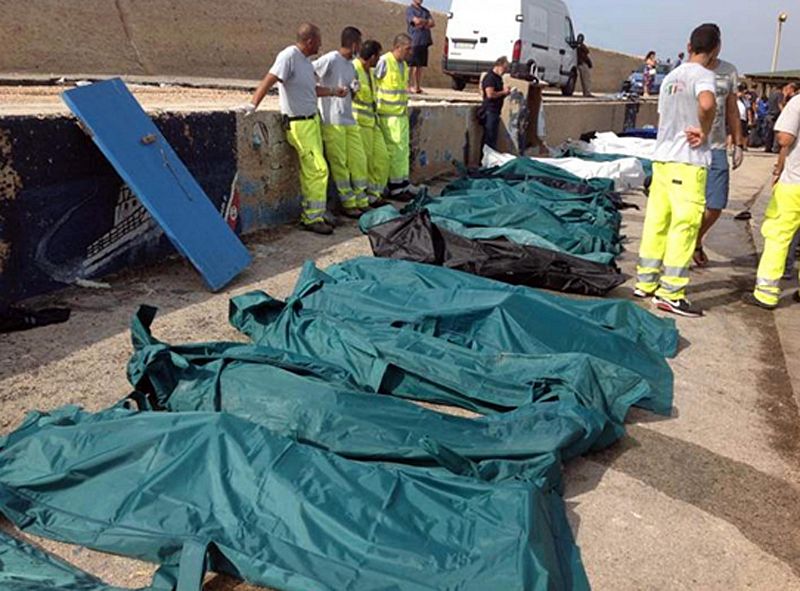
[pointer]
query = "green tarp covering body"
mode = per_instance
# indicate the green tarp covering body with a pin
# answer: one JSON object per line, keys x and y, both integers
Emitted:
{"x": 306, "y": 400}
{"x": 186, "y": 488}
{"x": 433, "y": 334}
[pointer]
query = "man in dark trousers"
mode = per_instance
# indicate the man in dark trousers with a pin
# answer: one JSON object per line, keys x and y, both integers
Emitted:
{"x": 584, "y": 66}
{"x": 494, "y": 94}
{"x": 420, "y": 22}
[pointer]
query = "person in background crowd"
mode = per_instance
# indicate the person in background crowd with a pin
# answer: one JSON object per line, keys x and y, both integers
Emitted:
{"x": 584, "y": 66}
{"x": 682, "y": 156}
{"x": 420, "y": 22}
{"x": 298, "y": 92}
{"x": 745, "y": 110}
{"x": 494, "y": 94}
{"x": 774, "y": 108}
{"x": 340, "y": 133}
{"x": 364, "y": 108}
{"x": 719, "y": 175}
{"x": 650, "y": 63}
{"x": 760, "y": 110}
{"x": 782, "y": 218}
{"x": 681, "y": 57}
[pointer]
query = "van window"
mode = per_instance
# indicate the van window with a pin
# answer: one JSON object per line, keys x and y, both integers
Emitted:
{"x": 569, "y": 32}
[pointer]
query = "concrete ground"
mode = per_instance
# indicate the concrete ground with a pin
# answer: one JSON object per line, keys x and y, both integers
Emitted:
{"x": 706, "y": 499}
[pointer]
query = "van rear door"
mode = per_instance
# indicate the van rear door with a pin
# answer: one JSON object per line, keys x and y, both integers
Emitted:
{"x": 479, "y": 32}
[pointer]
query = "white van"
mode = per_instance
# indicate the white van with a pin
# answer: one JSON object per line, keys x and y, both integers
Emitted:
{"x": 536, "y": 35}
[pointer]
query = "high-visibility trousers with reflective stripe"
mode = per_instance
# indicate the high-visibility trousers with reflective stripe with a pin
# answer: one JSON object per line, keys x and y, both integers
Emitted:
{"x": 397, "y": 135}
{"x": 377, "y": 161}
{"x": 781, "y": 222}
{"x": 672, "y": 223}
{"x": 306, "y": 138}
{"x": 348, "y": 163}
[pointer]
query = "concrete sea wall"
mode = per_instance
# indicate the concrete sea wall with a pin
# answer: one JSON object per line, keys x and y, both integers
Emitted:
{"x": 66, "y": 215}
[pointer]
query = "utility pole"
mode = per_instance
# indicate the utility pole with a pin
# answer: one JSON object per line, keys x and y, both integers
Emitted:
{"x": 782, "y": 17}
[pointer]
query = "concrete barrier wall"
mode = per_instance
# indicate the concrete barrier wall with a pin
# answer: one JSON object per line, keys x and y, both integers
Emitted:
{"x": 66, "y": 215}
{"x": 611, "y": 68}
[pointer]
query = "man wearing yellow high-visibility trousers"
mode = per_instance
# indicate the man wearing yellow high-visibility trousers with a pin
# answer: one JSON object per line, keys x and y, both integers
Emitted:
{"x": 782, "y": 218}
{"x": 340, "y": 133}
{"x": 364, "y": 108}
{"x": 687, "y": 106}
{"x": 391, "y": 76}
{"x": 298, "y": 92}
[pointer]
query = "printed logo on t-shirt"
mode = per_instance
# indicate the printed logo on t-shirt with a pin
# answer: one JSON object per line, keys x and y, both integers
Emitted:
{"x": 675, "y": 87}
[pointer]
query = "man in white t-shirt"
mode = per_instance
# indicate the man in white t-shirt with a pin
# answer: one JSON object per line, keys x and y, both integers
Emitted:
{"x": 687, "y": 106}
{"x": 782, "y": 218}
{"x": 340, "y": 134}
{"x": 298, "y": 98}
{"x": 719, "y": 174}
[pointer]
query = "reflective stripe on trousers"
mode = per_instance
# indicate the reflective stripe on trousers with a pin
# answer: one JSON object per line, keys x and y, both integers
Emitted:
{"x": 348, "y": 163}
{"x": 306, "y": 138}
{"x": 674, "y": 214}
{"x": 781, "y": 223}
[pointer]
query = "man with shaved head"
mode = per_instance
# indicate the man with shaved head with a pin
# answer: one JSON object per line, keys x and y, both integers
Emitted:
{"x": 298, "y": 90}
{"x": 391, "y": 78}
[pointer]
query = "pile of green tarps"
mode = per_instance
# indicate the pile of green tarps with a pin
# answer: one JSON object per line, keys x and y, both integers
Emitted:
{"x": 296, "y": 463}
{"x": 214, "y": 490}
{"x": 432, "y": 334}
{"x": 510, "y": 202}
{"x": 315, "y": 403}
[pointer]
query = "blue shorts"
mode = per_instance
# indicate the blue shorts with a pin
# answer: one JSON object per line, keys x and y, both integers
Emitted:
{"x": 719, "y": 180}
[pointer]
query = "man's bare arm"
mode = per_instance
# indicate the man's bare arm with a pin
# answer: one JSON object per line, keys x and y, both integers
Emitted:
{"x": 785, "y": 141}
{"x": 264, "y": 87}
{"x": 431, "y": 23}
{"x": 492, "y": 92}
{"x": 707, "y": 109}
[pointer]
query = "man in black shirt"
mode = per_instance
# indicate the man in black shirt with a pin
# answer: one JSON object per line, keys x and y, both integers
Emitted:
{"x": 494, "y": 94}
{"x": 584, "y": 66}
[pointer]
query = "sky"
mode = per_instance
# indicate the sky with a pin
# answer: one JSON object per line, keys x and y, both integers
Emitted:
{"x": 637, "y": 26}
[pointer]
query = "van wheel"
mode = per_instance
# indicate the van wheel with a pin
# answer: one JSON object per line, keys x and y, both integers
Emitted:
{"x": 569, "y": 88}
{"x": 458, "y": 83}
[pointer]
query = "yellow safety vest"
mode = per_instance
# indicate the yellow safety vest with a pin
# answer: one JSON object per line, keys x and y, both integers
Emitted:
{"x": 392, "y": 91}
{"x": 364, "y": 100}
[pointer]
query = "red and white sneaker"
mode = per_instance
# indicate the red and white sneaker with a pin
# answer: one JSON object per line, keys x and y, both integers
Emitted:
{"x": 680, "y": 307}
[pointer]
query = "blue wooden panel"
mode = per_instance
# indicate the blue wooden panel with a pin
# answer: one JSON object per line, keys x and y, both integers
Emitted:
{"x": 150, "y": 167}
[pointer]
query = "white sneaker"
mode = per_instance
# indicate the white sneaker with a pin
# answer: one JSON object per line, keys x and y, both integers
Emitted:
{"x": 415, "y": 189}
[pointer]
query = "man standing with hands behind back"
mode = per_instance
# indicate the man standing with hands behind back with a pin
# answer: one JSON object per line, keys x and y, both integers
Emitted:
{"x": 420, "y": 22}
{"x": 687, "y": 106}
{"x": 298, "y": 98}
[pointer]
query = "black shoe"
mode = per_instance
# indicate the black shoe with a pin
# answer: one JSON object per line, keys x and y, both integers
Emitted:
{"x": 641, "y": 294}
{"x": 378, "y": 203}
{"x": 352, "y": 212}
{"x": 680, "y": 307}
{"x": 796, "y": 297}
{"x": 749, "y": 298}
{"x": 404, "y": 197}
{"x": 319, "y": 228}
